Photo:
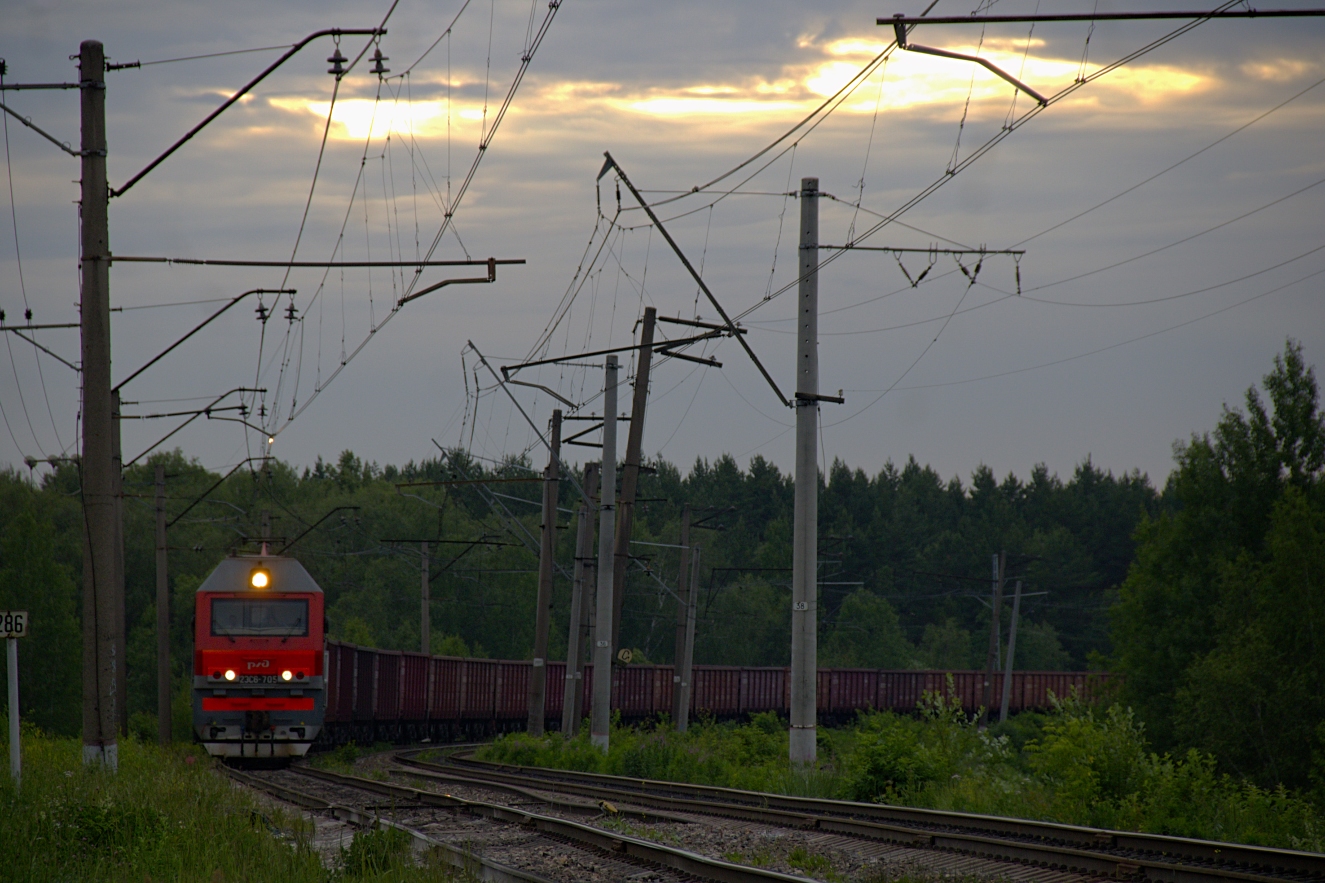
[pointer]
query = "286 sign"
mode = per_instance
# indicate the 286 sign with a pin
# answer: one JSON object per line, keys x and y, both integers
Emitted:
{"x": 13, "y": 623}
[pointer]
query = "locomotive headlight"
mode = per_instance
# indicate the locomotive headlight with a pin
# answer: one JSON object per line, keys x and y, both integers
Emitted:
{"x": 287, "y": 675}
{"x": 229, "y": 674}
{"x": 260, "y": 578}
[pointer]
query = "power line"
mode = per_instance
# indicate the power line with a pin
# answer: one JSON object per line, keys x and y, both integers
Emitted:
{"x": 1186, "y": 239}
{"x": 23, "y": 288}
{"x": 994, "y": 141}
{"x": 1150, "y": 334}
{"x": 136, "y": 64}
{"x": 526, "y": 59}
{"x": 1170, "y": 168}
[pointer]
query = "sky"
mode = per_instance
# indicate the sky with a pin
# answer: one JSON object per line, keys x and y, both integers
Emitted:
{"x": 1170, "y": 215}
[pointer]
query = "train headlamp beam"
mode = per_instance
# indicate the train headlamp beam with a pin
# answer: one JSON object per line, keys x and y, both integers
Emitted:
{"x": 260, "y": 578}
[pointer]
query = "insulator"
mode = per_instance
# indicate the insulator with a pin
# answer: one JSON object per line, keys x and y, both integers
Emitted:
{"x": 378, "y": 58}
{"x": 337, "y": 63}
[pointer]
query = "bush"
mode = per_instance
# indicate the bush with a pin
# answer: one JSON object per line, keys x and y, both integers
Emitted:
{"x": 1079, "y": 764}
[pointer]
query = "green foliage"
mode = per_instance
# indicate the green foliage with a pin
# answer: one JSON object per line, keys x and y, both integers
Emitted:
{"x": 1039, "y": 648}
{"x": 946, "y": 646}
{"x": 50, "y": 657}
{"x": 454, "y": 645}
{"x": 886, "y": 531}
{"x": 1079, "y": 764}
{"x": 376, "y": 851}
{"x": 867, "y": 634}
{"x": 166, "y": 815}
{"x": 1218, "y": 626}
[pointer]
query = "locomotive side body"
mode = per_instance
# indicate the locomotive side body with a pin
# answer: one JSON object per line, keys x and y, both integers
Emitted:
{"x": 259, "y": 686}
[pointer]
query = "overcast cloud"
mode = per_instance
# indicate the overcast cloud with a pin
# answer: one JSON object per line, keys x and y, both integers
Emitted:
{"x": 679, "y": 92}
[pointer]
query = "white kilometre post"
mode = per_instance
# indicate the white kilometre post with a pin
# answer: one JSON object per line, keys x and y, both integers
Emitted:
{"x": 15, "y": 752}
{"x": 14, "y": 625}
{"x": 805, "y": 525}
{"x": 601, "y": 717}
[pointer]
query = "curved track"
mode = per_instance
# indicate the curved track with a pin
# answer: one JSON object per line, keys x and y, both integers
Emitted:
{"x": 611, "y": 855}
{"x": 1084, "y": 851}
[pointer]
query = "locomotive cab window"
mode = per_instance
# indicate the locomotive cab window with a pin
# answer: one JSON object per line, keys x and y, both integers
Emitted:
{"x": 265, "y": 617}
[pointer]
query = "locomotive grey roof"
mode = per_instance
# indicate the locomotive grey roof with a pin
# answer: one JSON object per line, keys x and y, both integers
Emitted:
{"x": 287, "y": 575}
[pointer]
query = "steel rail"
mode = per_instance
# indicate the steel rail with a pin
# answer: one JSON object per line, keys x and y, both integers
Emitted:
{"x": 461, "y": 859}
{"x": 544, "y": 796}
{"x": 657, "y": 854}
{"x": 1115, "y": 853}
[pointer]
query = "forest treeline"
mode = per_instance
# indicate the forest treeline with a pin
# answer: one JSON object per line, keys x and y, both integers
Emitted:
{"x": 1206, "y": 595}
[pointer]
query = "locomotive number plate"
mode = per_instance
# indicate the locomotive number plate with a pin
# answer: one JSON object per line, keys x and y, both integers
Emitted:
{"x": 260, "y": 679}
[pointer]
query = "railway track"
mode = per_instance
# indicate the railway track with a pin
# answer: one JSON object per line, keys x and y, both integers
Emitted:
{"x": 611, "y": 855}
{"x": 1088, "y": 852}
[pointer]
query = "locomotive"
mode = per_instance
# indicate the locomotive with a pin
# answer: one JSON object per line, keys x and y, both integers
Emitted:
{"x": 259, "y": 658}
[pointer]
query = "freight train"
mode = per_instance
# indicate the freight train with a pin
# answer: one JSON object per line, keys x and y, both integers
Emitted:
{"x": 268, "y": 684}
{"x": 393, "y": 695}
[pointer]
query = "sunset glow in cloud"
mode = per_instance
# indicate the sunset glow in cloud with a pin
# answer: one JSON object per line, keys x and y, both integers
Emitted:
{"x": 910, "y": 81}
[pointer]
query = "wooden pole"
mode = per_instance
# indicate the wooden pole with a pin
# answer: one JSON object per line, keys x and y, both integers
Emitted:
{"x": 625, "y": 517}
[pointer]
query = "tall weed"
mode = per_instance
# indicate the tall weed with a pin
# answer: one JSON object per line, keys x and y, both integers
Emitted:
{"x": 1078, "y": 764}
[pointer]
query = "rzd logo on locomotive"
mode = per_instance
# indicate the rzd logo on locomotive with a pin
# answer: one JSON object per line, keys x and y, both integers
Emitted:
{"x": 266, "y": 663}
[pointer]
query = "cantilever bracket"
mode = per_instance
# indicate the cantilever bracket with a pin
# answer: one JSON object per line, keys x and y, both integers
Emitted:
{"x": 491, "y": 277}
{"x": 816, "y": 397}
{"x": 899, "y": 28}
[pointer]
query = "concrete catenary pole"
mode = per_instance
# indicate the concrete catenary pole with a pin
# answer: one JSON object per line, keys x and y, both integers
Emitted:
{"x": 425, "y": 600}
{"x": 1012, "y": 649}
{"x": 162, "y": 613}
{"x": 102, "y": 664}
{"x": 682, "y": 605}
{"x": 117, "y": 549}
{"x": 805, "y": 525}
{"x": 543, "y": 606}
{"x": 625, "y": 511}
{"x": 688, "y": 654}
{"x": 571, "y": 704}
{"x": 601, "y": 714}
{"x": 991, "y": 658}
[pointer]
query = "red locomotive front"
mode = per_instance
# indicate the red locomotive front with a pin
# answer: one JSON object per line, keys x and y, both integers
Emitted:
{"x": 258, "y": 659}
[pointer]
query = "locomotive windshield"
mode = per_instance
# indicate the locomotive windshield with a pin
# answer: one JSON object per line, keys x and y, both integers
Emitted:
{"x": 285, "y": 617}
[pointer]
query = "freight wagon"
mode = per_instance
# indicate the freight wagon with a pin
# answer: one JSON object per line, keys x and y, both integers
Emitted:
{"x": 389, "y": 695}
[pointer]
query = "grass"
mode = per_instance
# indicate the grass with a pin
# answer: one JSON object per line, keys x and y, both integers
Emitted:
{"x": 167, "y": 815}
{"x": 1080, "y": 764}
